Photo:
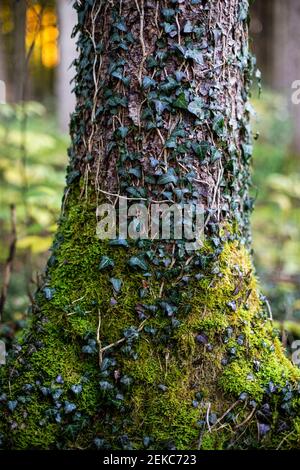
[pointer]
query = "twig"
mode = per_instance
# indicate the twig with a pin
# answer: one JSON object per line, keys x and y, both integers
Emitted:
{"x": 246, "y": 420}
{"x": 9, "y": 261}
{"x": 226, "y": 413}
{"x": 134, "y": 198}
{"x": 284, "y": 439}
{"x": 207, "y": 416}
{"x": 269, "y": 309}
{"x": 120, "y": 341}
{"x": 99, "y": 339}
{"x": 178, "y": 29}
{"x": 142, "y": 19}
{"x": 220, "y": 174}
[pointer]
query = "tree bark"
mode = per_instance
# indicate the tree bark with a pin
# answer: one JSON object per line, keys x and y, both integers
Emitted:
{"x": 141, "y": 344}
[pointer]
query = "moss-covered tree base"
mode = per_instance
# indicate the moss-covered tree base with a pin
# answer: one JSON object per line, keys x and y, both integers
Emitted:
{"x": 109, "y": 362}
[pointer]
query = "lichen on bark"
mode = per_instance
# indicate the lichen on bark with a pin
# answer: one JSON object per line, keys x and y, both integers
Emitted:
{"x": 177, "y": 351}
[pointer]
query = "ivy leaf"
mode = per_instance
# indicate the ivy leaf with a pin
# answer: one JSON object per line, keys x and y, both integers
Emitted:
{"x": 168, "y": 309}
{"x": 48, "y": 293}
{"x": 201, "y": 149}
{"x": 72, "y": 176}
{"x": 169, "y": 85}
{"x": 105, "y": 386}
{"x": 105, "y": 263}
{"x": 118, "y": 73}
{"x": 137, "y": 263}
{"x": 159, "y": 106}
{"x": 171, "y": 143}
{"x": 243, "y": 10}
{"x": 77, "y": 389}
{"x": 12, "y": 405}
{"x": 179, "y": 75}
{"x": 215, "y": 154}
{"x": 180, "y": 102}
{"x": 135, "y": 172}
{"x": 121, "y": 26}
{"x": 137, "y": 192}
{"x": 117, "y": 284}
{"x": 195, "y": 55}
{"x": 168, "y": 12}
{"x": 119, "y": 242}
{"x": 188, "y": 27}
{"x": 169, "y": 28}
{"x": 247, "y": 150}
{"x": 122, "y": 131}
{"x": 196, "y": 107}
{"x": 169, "y": 177}
{"x": 148, "y": 82}
{"x": 218, "y": 125}
{"x": 69, "y": 407}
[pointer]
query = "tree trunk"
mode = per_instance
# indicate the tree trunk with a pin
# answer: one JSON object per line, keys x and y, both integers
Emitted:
{"x": 65, "y": 73}
{"x": 286, "y": 58}
{"x": 262, "y": 34}
{"x": 276, "y": 39}
{"x": 19, "y": 69}
{"x": 2, "y": 75}
{"x": 143, "y": 344}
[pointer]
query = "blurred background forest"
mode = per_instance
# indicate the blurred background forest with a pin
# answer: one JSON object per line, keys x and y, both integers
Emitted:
{"x": 36, "y": 51}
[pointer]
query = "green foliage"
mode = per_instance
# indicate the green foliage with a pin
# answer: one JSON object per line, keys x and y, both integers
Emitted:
{"x": 276, "y": 220}
{"x": 32, "y": 168}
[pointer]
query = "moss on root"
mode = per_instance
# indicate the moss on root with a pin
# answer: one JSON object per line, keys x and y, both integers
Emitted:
{"x": 214, "y": 377}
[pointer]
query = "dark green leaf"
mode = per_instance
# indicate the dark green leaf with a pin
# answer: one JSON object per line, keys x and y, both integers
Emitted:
{"x": 181, "y": 101}
{"x": 121, "y": 26}
{"x": 117, "y": 284}
{"x": 72, "y": 176}
{"x": 137, "y": 263}
{"x": 167, "y": 178}
{"x": 148, "y": 82}
{"x": 119, "y": 242}
{"x": 196, "y": 107}
{"x": 195, "y": 55}
{"x": 188, "y": 27}
{"x": 218, "y": 125}
{"x": 105, "y": 263}
{"x": 123, "y": 131}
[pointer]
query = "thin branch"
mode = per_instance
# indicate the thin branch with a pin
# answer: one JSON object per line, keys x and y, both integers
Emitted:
{"x": 207, "y": 417}
{"x": 99, "y": 339}
{"x": 246, "y": 420}
{"x": 141, "y": 12}
{"x": 226, "y": 413}
{"x": 120, "y": 341}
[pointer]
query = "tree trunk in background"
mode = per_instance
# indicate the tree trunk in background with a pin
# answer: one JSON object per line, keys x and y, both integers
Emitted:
{"x": 142, "y": 344}
{"x": 65, "y": 73}
{"x": 2, "y": 73}
{"x": 261, "y": 32}
{"x": 19, "y": 69}
{"x": 286, "y": 57}
{"x": 277, "y": 42}
{"x": 2, "y": 60}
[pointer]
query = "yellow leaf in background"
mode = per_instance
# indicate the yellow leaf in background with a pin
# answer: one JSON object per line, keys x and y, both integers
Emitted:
{"x": 35, "y": 243}
{"x": 52, "y": 228}
{"x": 282, "y": 200}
